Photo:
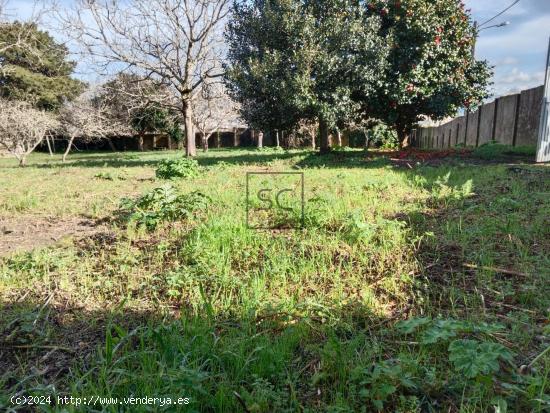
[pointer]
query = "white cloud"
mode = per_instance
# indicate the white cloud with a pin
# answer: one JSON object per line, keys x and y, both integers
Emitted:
{"x": 517, "y": 76}
{"x": 507, "y": 61}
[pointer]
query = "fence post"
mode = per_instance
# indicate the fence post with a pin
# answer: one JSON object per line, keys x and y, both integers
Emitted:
{"x": 516, "y": 119}
{"x": 479, "y": 113}
{"x": 495, "y": 115}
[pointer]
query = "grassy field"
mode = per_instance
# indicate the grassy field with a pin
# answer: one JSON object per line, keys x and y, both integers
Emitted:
{"x": 411, "y": 288}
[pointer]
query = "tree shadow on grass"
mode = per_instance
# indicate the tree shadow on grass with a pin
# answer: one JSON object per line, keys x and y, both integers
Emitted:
{"x": 226, "y": 364}
{"x": 236, "y": 156}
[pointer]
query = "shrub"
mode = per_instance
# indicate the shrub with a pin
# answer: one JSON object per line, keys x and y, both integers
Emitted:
{"x": 162, "y": 204}
{"x": 384, "y": 137}
{"x": 178, "y": 168}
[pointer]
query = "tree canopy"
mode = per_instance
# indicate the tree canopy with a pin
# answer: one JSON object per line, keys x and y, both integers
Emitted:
{"x": 342, "y": 62}
{"x": 291, "y": 60}
{"x": 431, "y": 68}
{"x": 37, "y": 71}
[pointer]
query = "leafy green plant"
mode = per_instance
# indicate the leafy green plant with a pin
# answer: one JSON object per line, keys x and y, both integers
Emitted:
{"x": 384, "y": 137}
{"x": 382, "y": 381}
{"x": 162, "y": 204}
{"x": 432, "y": 331}
{"x": 473, "y": 358}
{"x": 105, "y": 176}
{"x": 177, "y": 168}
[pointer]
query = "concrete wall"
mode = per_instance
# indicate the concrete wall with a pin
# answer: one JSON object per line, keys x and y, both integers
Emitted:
{"x": 506, "y": 119}
{"x": 473, "y": 124}
{"x": 510, "y": 120}
{"x": 530, "y": 107}
{"x": 486, "y": 123}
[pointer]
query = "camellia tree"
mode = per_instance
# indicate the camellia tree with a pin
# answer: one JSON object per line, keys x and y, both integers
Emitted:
{"x": 295, "y": 60}
{"x": 431, "y": 68}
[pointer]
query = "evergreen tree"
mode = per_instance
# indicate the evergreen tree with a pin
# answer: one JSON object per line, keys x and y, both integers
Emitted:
{"x": 431, "y": 69}
{"x": 293, "y": 60}
{"x": 38, "y": 71}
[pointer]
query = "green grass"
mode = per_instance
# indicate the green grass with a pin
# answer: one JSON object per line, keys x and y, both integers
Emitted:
{"x": 494, "y": 151}
{"x": 373, "y": 306}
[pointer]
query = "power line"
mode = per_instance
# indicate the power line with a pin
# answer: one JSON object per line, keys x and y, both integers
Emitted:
{"x": 499, "y": 14}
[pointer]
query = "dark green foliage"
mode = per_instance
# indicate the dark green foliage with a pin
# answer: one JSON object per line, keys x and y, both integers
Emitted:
{"x": 379, "y": 383}
{"x": 131, "y": 99}
{"x": 178, "y": 168}
{"x": 384, "y": 137}
{"x": 291, "y": 60}
{"x": 38, "y": 70}
{"x": 473, "y": 358}
{"x": 162, "y": 204}
{"x": 431, "y": 70}
{"x": 153, "y": 118}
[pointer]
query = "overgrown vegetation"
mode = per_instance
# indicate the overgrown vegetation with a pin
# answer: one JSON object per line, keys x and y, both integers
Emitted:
{"x": 162, "y": 204}
{"x": 409, "y": 290}
{"x": 178, "y": 168}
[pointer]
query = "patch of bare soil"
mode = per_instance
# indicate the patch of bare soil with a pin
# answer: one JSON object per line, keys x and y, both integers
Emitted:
{"x": 28, "y": 233}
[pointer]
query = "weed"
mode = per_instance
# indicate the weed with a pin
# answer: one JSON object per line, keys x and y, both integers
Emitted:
{"x": 177, "y": 168}
{"x": 162, "y": 204}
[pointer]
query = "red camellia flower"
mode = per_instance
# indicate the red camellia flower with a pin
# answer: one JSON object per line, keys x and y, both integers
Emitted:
{"x": 438, "y": 40}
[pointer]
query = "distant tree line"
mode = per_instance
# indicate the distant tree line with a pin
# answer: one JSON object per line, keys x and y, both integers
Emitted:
{"x": 347, "y": 64}
{"x": 300, "y": 70}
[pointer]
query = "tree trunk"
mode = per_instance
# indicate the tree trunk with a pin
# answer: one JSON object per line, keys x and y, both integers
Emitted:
{"x": 325, "y": 142}
{"x": 218, "y": 140}
{"x": 235, "y": 137}
{"x": 23, "y": 160}
{"x": 68, "y": 148}
{"x": 140, "y": 141}
{"x": 49, "y": 146}
{"x": 403, "y": 135}
{"x": 111, "y": 144}
{"x": 260, "y": 139}
{"x": 277, "y": 142}
{"x": 339, "y": 137}
{"x": 205, "y": 139}
{"x": 367, "y": 139}
{"x": 191, "y": 147}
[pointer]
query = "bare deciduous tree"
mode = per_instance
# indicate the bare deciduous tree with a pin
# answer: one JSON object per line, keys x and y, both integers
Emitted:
{"x": 213, "y": 110}
{"x": 23, "y": 38}
{"x": 177, "y": 42}
{"x": 89, "y": 119}
{"x": 23, "y": 128}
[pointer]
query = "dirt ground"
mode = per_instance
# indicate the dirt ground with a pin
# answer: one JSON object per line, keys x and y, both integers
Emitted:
{"x": 28, "y": 233}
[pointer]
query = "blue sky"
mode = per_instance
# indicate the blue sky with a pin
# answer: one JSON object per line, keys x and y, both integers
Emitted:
{"x": 518, "y": 51}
